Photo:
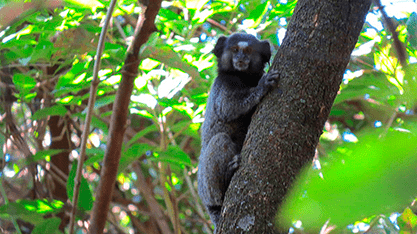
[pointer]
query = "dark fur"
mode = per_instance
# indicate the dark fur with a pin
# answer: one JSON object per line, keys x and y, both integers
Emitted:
{"x": 236, "y": 91}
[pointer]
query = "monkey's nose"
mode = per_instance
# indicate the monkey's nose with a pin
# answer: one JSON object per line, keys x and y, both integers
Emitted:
{"x": 241, "y": 65}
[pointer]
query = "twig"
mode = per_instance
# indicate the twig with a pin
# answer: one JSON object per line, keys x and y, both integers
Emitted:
{"x": 198, "y": 207}
{"x": 398, "y": 45}
{"x": 91, "y": 101}
{"x": 144, "y": 28}
{"x": 156, "y": 211}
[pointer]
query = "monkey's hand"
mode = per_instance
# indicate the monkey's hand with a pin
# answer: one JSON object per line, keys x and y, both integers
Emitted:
{"x": 269, "y": 79}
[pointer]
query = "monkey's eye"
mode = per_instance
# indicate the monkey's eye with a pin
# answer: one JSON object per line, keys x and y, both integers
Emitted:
{"x": 248, "y": 50}
{"x": 234, "y": 49}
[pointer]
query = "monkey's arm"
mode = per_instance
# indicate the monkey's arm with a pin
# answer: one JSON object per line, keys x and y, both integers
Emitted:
{"x": 233, "y": 104}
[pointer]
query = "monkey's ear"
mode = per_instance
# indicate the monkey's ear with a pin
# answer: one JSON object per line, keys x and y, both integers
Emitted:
{"x": 265, "y": 51}
{"x": 218, "y": 49}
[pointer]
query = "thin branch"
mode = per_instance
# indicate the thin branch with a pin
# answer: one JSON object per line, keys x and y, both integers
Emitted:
{"x": 398, "y": 45}
{"x": 150, "y": 199}
{"x": 91, "y": 101}
{"x": 198, "y": 207}
{"x": 144, "y": 28}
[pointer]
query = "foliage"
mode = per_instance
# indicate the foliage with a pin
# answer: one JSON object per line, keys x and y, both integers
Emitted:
{"x": 46, "y": 67}
{"x": 365, "y": 183}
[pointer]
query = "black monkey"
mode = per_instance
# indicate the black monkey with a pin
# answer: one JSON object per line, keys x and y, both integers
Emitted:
{"x": 238, "y": 88}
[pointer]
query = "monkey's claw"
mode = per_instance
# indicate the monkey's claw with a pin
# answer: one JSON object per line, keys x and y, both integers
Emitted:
{"x": 271, "y": 78}
{"x": 234, "y": 164}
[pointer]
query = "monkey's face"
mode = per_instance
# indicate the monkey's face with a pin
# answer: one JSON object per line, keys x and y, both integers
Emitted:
{"x": 241, "y": 54}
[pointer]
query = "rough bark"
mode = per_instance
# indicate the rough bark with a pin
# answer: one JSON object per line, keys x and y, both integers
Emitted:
{"x": 144, "y": 28}
{"x": 286, "y": 128}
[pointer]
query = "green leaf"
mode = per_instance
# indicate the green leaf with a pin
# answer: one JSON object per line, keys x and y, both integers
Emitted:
{"x": 19, "y": 44}
{"x": 167, "y": 55}
{"x": 376, "y": 85}
{"x": 2, "y": 141}
{"x": 24, "y": 83}
{"x": 149, "y": 129}
{"x": 195, "y": 4}
{"x": 410, "y": 86}
{"x": 136, "y": 150}
{"x": 43, "y": 154}
{"x": 256, "y": 16}
{"x": 174, "y": 154}
{"x": 133, "y": 153}
{"x": 168, "y": 15}
{"x": 337, "y": 112}
{"x": 59, "y": 110}
{"x": 43, "y": 51}
{"x": 181, "y": 125}
{"x": 90, "y": 4}
{"x": 104, "y": 101}
{"x": 100, "y": 124}
{"x": 49, "y": 226}
{"x": 66, "y": 81}
{"x": 407, "y": 221}
{"x": 85, "y": 197}
{"x": 30, "y": 211}
{"x": 94, "y": 155}
{"x": 148, "y": 64}
{"x": 412, "y": 30}
{"x": 374, "y": 176}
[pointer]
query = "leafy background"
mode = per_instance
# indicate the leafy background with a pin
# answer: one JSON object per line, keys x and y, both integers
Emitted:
{"x": 47, "y": 58}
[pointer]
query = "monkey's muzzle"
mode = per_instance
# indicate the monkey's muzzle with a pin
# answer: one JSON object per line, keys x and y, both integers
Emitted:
{"x": 240, "y": 65}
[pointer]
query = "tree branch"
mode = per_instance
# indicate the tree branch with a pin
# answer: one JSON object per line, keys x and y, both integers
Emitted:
{"x": 144, "y": 28}
{"x": 398, "y": 45}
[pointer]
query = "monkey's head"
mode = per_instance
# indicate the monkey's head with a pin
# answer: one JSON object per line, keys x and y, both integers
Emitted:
{"x": 242, "y": 52}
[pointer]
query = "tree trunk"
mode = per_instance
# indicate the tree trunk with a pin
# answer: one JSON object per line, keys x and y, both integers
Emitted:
{"x": 286, "y": 128}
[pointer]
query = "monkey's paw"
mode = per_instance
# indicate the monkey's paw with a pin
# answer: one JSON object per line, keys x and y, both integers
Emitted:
{"x": 234, "y": 164}
{"x": 271, "y": 78}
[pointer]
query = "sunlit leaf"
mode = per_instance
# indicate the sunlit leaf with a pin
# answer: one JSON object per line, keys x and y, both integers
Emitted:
{"x": 91, "y": 4}
{"x": 24, "y": 83}
{"x": 31, "y": 211}
{"x": 407, "y": 221}
{"x": 167, "y": 55}
{"x": 148, "y": 64}
{"x": 377, "y": 178}
{"x": 195, "y": 4}
{"x": 167, "y": 14}
{"x": 256, "y": 15}
{"x": 67, "y": 79}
